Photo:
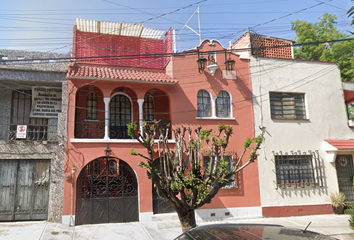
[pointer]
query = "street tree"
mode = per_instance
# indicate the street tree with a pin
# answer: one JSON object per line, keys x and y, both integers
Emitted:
{"x": 180, "y": 176}
{"x": 350, "y": 14}
{"x": 324, "y": 42}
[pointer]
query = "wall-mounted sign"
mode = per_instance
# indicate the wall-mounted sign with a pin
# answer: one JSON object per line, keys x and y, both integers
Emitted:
{"x": 21, "y": 131}
{"x": 46, "y": 102}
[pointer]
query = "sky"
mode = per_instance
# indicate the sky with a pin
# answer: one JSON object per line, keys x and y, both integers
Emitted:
{"x": 47, "y": 25}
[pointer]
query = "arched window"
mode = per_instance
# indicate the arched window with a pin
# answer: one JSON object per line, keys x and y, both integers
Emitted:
{"x": 91, "y": 106}
{"x": 120, "y": 115}
{"x": 204, "y": 107}
{"x": 223, "y": 104}
{"x": 149, "y": 112}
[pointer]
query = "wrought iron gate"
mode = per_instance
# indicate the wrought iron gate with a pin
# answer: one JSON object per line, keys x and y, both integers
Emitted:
{"x": 107, "y": 192}
{"x": 24, "y": 189}
{"x": 344, "y": 166}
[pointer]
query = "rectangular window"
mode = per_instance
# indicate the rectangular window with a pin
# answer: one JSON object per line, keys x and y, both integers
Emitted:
{"x": 37, "y": 128}
{"x": 294, "y": 169}
{"x": 287, "y": 105}
{"x": 229, "y": 160}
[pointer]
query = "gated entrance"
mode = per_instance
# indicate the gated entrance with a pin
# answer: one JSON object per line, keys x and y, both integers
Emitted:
{"x": 344, "y": 166}
{"x": 24, "y": 189}
{"x": 107, "y": 192}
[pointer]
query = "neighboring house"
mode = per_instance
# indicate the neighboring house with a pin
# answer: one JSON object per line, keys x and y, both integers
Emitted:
{"x": 32, "y": 135}
{"x": 307, "y": 152}
{"x": 123, "y": 73}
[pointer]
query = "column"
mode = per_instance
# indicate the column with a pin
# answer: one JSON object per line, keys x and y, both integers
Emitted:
{"x": 106, "y": 117}
{"x": 213, "y": 108}
{"x": 141, "y": 102}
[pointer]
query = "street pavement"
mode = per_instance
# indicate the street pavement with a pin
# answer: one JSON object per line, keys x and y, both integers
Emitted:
{"x": 333, "y": 225}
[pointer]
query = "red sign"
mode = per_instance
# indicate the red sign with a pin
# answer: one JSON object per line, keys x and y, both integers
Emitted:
{"x": 21, "y": 131}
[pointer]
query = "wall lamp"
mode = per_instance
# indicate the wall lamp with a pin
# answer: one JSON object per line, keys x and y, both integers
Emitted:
{"x": 229, "y": 63}
{"x": 201, "y": 63}
{"x": 108, "y": 151}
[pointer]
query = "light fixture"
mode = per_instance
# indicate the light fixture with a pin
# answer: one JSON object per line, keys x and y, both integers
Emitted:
{"x": 108, "y": 151}
{"x": 201, "y": 63}
{"x": 229, "y": 64}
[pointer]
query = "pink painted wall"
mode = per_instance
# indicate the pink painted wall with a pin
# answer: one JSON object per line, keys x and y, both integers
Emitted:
{"x": 182, "y": 106}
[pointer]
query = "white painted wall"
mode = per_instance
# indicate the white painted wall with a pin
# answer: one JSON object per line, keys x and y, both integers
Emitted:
{"x": 327, "y": 119}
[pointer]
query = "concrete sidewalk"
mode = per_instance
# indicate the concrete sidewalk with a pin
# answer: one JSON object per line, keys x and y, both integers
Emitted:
{"x": 334, "y": 225}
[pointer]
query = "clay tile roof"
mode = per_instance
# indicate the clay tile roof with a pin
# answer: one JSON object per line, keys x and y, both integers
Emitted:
{"x": 112, "y": 73}
{"x": 342, "y": 144}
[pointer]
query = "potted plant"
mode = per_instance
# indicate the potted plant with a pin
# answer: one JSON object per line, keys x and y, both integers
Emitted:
{"x": 338, "y": 202}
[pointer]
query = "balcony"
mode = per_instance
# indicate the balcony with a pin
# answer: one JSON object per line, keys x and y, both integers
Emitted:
{"x": 34, "y": 132}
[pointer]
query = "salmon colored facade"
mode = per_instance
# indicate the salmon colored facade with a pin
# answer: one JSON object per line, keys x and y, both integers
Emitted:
{"x": 103, "y": 181}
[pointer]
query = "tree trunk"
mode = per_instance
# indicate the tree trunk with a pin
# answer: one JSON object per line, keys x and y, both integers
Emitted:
{"x": 187, "y": 219}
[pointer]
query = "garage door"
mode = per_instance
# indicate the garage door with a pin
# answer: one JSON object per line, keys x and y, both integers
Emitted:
{"x": 24, "y": 189}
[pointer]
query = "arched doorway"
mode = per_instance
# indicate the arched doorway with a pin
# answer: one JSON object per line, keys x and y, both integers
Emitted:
{"x": 107, "y": 192}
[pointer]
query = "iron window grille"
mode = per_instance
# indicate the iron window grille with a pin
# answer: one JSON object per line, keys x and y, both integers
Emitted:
{"x": 228, "y": 158}
{"x": 37, "y": 128}
{"x": 287, "y": 105}
{"x": 149, "y": 114}
{"x": 91, "y": 106}
{"x": 297, "y": 169}
{"x": 223, "y": 104}
{"x": 120, "y": 116}
{"x": 204, "y": 106}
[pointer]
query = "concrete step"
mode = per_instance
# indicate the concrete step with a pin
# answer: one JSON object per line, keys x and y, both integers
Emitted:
{"x": 165, "y": 217}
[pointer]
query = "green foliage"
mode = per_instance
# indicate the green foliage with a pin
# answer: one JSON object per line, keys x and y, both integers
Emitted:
{"x": 132, "y": 127}
{"x": 349, "y": 209}
{"x": 133, "y": 152}
{"x": 351, "y": 221}
{"x": 324, "y": 31}
{"x": 351, "y": 14}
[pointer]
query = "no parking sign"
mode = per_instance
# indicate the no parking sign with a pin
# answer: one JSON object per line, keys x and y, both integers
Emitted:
{"x": 21, "y": 131}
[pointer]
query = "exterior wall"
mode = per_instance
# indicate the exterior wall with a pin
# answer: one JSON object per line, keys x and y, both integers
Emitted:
{"x": 190, "y": 81}
{"x": 181, "y": 103}
{"x": 24, "y": 75}
{"x": 326, "y": 119}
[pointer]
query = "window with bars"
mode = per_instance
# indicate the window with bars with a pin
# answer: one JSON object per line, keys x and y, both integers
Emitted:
{"x": 287, "y": 105}
{"x": 37, "y": 128}
{"x": 91, "y": 106}
{"x": 294, "y": 169}
{"x": 229, "y": 160}
{"x": 204, "y": 106}
{"x": 120, "y": 115}
{"x": 149, "y": 112}
{"x": 223, "y": 104}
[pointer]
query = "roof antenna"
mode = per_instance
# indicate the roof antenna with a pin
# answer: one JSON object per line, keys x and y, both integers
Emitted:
{"x": 304, "y": 231}
{"x": 185, "y": 25}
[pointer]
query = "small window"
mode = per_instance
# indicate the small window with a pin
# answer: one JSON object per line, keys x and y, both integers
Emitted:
{"x": 149, "y": 113}
{"x": 229, "y": 160}
{"x": 204, "y": 107}
{"x": 4, "y": 57}
{"x": 91, "y": 106}
{"x": 294, "y": 169}
{"x": 287, "y": 105}
{"x": 223, "y": 105}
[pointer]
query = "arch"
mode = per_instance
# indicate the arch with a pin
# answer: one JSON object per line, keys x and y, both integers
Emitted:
{"x": 106, "y": 192}
{"x": 204, "y": 104}
{"x": 84, "y": 126}
{"x": 223, "y": 104}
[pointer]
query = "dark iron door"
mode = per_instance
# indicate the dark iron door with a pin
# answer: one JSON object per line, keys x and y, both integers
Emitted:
{"x": 24, "y": 189}
{"x": 159, "y": 205}
{"x": 344, "y": 166}
{"x": 107, "y": 192}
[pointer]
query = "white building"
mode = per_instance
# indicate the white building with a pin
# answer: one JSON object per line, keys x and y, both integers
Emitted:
{"x": 307, "y": 152}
